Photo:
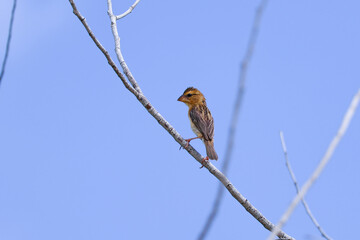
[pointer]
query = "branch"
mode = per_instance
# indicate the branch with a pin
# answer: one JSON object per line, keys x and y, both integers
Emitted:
{"x": 8, "y": 41}
{"x": 102, "y": 49}
{"x": 177, "y": 137}
{"x": 307, "y": 209}
{"x": 343, "y": 127}
{"x": 128, "y": 11}
{"x": 235, "y": 115}
{"x": 118, "y": 50}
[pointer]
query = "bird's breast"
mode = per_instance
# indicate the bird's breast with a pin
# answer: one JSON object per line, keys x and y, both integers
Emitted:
{"x": 194, "y": 129}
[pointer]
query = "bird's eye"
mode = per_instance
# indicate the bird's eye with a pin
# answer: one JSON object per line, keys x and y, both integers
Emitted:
{"x": 189, "y": 95}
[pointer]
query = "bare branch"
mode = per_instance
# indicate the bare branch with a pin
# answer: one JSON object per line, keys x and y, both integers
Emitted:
{"x": 329, "y": 152}
{"x": 177, "y": 137}
{"x": 306, "y": 206}
{"x": 102, "y": 49}
{"x": 128, "y": 11}
{"x": 118, "y": 50}
{"x": 235, "y": 115}
{"x": 7, "y": 49}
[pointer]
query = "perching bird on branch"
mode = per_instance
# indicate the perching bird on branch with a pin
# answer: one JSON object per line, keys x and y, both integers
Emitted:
{"x": 202, "y": 123}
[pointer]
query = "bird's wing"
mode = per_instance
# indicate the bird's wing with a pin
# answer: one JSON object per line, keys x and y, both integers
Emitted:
{"x": 203, "y": 121}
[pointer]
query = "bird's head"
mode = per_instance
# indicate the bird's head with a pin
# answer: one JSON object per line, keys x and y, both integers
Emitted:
{"x": 192, "y": 96}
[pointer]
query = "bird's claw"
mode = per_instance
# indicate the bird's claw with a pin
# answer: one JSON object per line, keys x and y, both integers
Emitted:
{"x": 187, "y": 144}
{"x": 205, "y": 159}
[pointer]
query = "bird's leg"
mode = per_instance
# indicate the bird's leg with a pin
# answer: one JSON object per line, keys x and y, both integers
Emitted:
{"x": 203, "y": 161}
{"x": 187, "y": 141}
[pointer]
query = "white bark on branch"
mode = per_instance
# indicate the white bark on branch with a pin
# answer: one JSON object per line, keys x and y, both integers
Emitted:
{"x": 329, "y": 152}
{"x": 166, "y": 125}
{"x": 128, "y": 11}
{"x": 102, "y": 49}
{"x": 118, "y": 50}
{"x": 306, "y": 206}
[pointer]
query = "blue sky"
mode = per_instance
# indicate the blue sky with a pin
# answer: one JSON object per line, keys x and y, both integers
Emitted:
{"x": 80, "y": 158}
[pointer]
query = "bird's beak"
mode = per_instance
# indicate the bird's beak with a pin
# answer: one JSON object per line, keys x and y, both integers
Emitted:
{"x": 181, "y": 98}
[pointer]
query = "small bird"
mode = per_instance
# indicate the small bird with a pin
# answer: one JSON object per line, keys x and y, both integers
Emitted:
{"x": 202, "y": 123}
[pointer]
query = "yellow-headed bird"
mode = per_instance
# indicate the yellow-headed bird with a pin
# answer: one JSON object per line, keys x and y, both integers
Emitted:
{"x": 202, "y": 123}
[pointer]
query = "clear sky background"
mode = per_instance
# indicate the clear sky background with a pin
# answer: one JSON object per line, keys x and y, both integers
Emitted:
{"x": 80, "y": 158}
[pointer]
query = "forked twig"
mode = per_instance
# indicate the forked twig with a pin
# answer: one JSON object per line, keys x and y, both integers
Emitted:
{"x": 329, "y": 152}
{"x": 306, "y": 206}
{"x": 118, "y": 50}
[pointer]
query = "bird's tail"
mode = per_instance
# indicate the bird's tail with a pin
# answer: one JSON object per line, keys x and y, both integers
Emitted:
{"x": 210, "y": 150}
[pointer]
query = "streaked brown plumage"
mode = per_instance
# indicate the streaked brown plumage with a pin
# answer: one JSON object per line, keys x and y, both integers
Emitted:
{"x": 202, "y": 123}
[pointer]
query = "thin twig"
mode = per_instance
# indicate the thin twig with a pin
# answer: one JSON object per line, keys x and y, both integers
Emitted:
{"x": 178, "y": 138}
{"x": 306, "y": 206}
{"x": 102, "y": 49}
{"x": 235, "y": 115}
{"x": 128, "y": 11}
{"x": 329, "y": 152}
{"x": 118, "y": 50}
{"x": 7, "y": 49}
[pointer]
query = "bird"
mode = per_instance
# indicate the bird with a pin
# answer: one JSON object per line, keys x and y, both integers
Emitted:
{"x": 201, "y": 121}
